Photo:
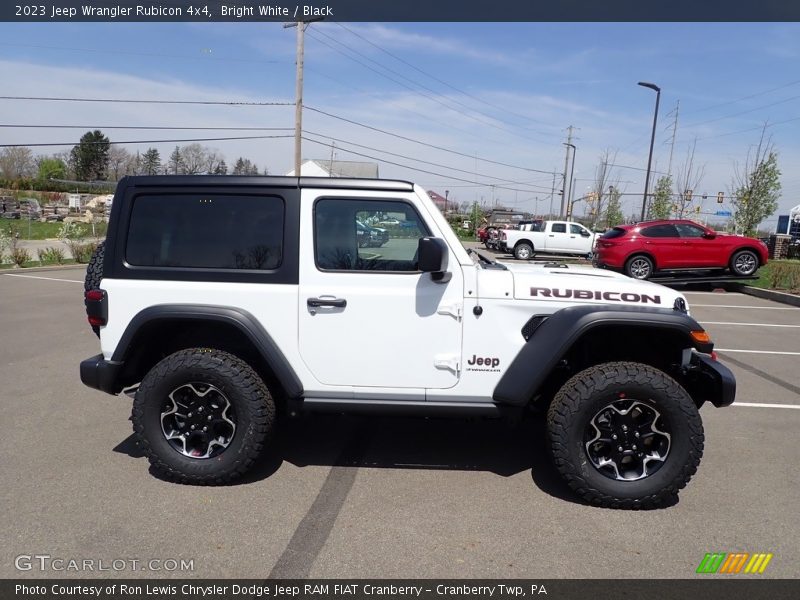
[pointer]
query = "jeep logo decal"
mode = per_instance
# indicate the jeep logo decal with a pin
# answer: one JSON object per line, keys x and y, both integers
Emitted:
{"x": 489, "y": 363}
{"x": 595, "y": 295}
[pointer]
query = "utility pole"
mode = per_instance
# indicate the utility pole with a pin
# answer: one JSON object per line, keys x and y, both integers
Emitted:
{"x": 552, "y": 193}
{"x": 566, "y": 166}
{"x": 330, "y": 166}
{"x": 298, "y": 91}
{"x": 674, "y": 133}
{"x": 298, "y": 98}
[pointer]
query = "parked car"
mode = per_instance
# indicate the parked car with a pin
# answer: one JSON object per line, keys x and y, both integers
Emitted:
{"x": 371, "y": 237}
{"x": 646, "y": 248}
{"x": 550, "y": 237}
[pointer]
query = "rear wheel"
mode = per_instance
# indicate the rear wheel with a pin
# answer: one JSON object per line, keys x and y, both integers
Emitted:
{"x": 744, "y": 262}
{"x": 625, "y": 435}
{"x": 202, "y": 416}
{"x": 94, "y": 274}
{"x": 523, "y": 251}
{"x": 639, "y": 267}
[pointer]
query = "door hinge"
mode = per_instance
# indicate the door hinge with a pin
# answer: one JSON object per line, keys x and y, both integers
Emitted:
{"x": 448, "y": 361}
{"x": 454, "y": 310}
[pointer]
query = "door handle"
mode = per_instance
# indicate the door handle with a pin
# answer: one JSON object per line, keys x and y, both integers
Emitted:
{"x": 317, "y": 302}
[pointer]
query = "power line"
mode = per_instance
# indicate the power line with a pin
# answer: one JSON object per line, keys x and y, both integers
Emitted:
{"x": 153, "y": 127}
{"x": 775, "y": 89}
{"x": 126, "y": 101}
{"x": 388, "y": 162}
{"x": 408, "y": 139}
{"x": 448, "y": 85}
{"x": 408, "y": 87}
{"x": 756, "y": 128}
{"x": 744, "y": 112}
{"x": 341, "y": 141}
{"x": 219, "y": 139}
{"x": 205, "y": 57}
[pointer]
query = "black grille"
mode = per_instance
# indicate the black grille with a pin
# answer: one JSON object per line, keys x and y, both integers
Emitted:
{"x": 530, "y": 327}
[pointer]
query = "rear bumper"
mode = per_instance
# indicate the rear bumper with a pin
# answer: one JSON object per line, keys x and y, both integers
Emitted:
{"x": 711, "y": 381}
{"x": 101, "y": 374}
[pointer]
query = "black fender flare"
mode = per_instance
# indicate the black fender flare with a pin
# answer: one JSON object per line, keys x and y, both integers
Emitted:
{"x": 556, "y": 335}
{"x": 242, "y": 320}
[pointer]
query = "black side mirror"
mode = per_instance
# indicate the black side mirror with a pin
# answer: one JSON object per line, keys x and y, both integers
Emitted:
{"x": 585, "y": 233}
{"x": 432, "y": 257}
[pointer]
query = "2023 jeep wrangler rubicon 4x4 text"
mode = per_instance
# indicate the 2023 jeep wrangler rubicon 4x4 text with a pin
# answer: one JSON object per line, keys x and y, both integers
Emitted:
{"x": 222, "y": 297}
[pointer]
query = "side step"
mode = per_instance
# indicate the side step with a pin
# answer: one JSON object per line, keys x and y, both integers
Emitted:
{"x": 402, "y": 407}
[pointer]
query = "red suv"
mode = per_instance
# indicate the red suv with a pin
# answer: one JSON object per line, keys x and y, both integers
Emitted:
{"x": 642, "y": 249}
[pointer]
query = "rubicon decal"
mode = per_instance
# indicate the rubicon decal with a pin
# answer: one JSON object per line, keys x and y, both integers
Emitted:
{"x": 540, "y": 292}
{"x": 479, "y": 363}
{"x": 734, "y": 562}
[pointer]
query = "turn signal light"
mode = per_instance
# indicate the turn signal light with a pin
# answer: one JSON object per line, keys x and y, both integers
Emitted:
{"x": 701, "y": 337}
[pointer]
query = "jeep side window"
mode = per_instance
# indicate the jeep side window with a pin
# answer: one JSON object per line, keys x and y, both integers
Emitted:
{"x": 366, "y": 235}
{"x": 206, "y": 231}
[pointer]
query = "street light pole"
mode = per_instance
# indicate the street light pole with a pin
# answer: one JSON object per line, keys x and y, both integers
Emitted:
{"x": 657, "y": 89}
{"x": 446, "y": 194}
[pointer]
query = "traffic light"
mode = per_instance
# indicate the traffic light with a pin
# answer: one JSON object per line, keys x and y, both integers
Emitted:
{"x": 697, "y": 209}
{"x": 688, "y": 195}
{"x": 720, "y": 198}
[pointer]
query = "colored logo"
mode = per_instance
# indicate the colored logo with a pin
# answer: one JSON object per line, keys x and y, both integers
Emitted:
{"x": 735, "y": 562}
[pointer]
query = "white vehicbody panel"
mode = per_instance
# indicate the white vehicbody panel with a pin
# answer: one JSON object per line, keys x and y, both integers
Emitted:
{"x": 398, "y": 330}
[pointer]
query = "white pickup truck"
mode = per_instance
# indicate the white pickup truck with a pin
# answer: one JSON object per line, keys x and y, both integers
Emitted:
{"x": 551, "y": 237}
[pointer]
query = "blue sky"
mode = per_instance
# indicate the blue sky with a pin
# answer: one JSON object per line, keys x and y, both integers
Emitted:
{"x": 503, "y": 92}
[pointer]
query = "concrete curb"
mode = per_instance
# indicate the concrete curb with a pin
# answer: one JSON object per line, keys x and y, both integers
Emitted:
{"x": 40, "y": 269}
{"x": 776, "y": 296}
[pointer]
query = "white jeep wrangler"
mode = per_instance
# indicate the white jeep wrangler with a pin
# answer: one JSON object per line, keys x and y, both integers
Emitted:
{"x": 222, "y": 297}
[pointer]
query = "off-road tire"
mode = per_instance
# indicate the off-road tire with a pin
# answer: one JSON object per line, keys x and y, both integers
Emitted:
{"x": 744, "y": 262}
{"x": 253, "y": 405}
{"x": 523, "y": 251}
{"x": 639, "y": 267}
{"x": 580, "y": 399}
{"x": 94, "y": 274}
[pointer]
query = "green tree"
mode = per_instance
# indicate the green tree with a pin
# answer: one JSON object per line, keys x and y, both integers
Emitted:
{"x": 176, "y": 161}
{"x": 51, "y": 168}
{"x": 614, "y": 214}
{"x": 90, "y": 157}
{"x": 151, "y": 162}
{"x": 661, "y": 205}
{"x": 756, "y": 195}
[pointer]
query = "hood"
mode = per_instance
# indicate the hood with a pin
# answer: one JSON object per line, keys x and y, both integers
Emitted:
{"x": 587, "y": 285}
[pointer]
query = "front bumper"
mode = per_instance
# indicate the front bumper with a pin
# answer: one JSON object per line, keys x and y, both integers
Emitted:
{"x": 101, "y": 374}
{"x": 710, "y": 381}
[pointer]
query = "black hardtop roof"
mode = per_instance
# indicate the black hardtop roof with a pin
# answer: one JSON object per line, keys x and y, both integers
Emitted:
{"x": 265, "y": 180}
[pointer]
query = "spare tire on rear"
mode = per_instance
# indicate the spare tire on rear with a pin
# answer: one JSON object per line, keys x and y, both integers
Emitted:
{"x": 94, "y": 274}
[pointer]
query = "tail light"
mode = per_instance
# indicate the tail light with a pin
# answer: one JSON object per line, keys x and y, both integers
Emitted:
{"x": 96, "y": 302}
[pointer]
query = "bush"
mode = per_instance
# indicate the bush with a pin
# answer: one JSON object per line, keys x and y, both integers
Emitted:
{"x": 51, "y": 255}
{"x": 19, "y": 256}
{"x": 82, "y": 252}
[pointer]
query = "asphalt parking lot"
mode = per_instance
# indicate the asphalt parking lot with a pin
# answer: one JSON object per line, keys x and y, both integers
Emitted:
{"x": 377, "y": 497}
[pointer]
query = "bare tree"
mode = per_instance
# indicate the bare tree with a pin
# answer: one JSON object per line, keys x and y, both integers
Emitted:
{"x": 214, "y": 161}
{"x": 688, "y": 179}
{"x": 17, "y": 162}
{"x": 600, "y": 189}
{"x": 194, "y": 159}
{"x": 118, "y": 162}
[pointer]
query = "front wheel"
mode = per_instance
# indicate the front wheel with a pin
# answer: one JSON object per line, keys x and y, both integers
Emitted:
{"x": 202, "y": 416}
{"x": 744, "y": 262}
{"x": 523, "y": 251}
{"x": 639, "y": 267}
{"x": 625, "y": 435}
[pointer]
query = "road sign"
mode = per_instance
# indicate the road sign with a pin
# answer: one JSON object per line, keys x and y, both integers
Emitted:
{"x": 723, "y": 213}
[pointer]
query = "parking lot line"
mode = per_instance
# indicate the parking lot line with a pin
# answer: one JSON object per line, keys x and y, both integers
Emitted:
{"x": 38, "y": 277}
{"x": 758, "y": 351}
{"x": 737, "y": 306}
{"x": 747, "y": 324}
{"x": 765, "y": 405}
